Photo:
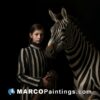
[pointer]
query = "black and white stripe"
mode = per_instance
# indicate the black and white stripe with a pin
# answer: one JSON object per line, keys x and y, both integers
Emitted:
{"x": 83, "y": 57}
{"x": 31, "y": 67}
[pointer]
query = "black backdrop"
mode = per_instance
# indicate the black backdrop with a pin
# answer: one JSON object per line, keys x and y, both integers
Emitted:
{"x": 16, "y": 19}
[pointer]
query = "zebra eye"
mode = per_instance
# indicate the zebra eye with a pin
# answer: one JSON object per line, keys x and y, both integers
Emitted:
{"x": 63, "y": 30}
{"x": 63, "y": 38}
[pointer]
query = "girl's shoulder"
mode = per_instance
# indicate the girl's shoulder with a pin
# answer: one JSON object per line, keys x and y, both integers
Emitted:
{"x": 24, "y": 49}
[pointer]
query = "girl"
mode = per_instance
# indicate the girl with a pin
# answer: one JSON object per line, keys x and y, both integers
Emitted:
{"x": 32, "y": 63}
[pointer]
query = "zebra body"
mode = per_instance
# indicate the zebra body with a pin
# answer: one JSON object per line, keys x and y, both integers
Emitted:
{"x": 83, "y": 57}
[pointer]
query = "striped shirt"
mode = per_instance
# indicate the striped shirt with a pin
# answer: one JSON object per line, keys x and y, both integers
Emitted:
{"x": 31, "y": 67}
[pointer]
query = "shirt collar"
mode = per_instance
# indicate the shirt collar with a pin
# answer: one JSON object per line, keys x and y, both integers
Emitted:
{"x": 36, "y": 46}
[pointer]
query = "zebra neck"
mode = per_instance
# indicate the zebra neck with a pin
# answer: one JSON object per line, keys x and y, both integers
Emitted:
{"x": 79, "y": 55}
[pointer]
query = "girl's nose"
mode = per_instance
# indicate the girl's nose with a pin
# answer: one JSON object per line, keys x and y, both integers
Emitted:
{"x": 39, "y": 36}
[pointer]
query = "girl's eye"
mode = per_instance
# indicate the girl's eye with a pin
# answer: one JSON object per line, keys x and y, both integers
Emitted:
{"x": 36, "y": 34}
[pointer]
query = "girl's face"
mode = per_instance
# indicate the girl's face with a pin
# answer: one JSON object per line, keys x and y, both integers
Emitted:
{"x": 37, "y": 36}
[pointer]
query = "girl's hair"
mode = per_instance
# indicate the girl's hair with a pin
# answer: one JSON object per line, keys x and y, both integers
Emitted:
{"x": 36, "y": 27}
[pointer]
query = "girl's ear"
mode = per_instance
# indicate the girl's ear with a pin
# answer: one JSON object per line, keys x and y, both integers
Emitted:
{"x": 30, "y": 35}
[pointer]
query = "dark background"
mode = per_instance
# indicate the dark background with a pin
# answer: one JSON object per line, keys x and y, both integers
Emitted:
{"x": 16, "y": 19}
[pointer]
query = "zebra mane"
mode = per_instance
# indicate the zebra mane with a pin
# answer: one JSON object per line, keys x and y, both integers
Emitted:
{"x": 77, "y": 23}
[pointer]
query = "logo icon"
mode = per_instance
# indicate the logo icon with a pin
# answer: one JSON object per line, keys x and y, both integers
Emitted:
{"x": 11, "y": 91}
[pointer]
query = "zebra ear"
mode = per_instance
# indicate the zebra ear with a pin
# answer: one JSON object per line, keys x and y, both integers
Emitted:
{"x": 64, "y": 13}
{"x": 53, "y": 16}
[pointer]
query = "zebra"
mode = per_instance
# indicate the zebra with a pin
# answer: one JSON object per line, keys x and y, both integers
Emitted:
{"x": 83, "y": 57}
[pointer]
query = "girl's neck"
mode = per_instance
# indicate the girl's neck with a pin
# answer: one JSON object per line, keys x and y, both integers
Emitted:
{"x": 35, "y": 44}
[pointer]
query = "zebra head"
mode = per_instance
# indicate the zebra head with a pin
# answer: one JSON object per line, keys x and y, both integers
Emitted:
{"x": 60, "y": 34}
